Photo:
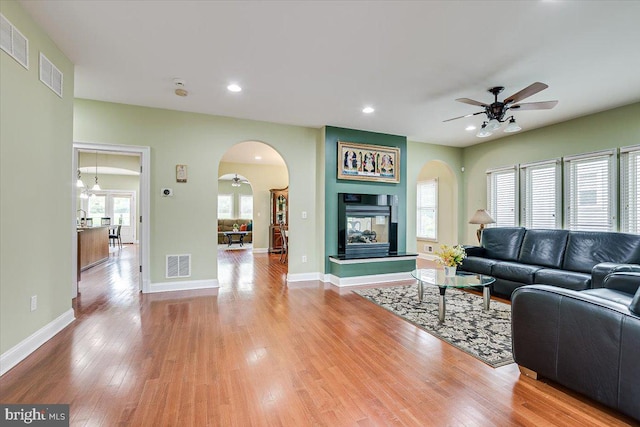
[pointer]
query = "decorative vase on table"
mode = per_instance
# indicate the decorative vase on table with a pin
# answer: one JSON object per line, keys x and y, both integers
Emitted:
{"x": 450, "y": 271}
{"x": 450, "y": 257}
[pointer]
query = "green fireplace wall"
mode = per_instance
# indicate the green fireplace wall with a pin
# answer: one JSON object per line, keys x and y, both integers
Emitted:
{"x": 333, "y": 185}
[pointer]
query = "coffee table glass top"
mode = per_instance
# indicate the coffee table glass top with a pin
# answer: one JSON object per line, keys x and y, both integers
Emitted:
{"x": 436, "y": 277}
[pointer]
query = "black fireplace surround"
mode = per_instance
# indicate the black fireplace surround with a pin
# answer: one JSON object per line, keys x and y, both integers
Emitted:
{"x": 367, "y": 225}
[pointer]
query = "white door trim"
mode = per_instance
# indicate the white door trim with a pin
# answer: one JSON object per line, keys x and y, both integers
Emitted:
{"x": 145, "y": 206}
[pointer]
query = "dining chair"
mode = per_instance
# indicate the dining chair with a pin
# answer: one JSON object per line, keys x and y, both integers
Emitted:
{"x": 114, "y": 235}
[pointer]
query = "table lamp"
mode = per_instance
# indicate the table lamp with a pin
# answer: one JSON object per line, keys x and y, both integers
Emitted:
{"x": 481, "y": 217}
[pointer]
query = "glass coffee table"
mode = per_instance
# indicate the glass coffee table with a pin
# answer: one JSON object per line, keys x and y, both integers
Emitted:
{"x": 436, "y": 277}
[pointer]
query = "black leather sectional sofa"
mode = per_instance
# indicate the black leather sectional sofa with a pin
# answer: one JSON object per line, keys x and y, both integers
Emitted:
{"x": 575, "y": 260}
{"x": 577, "y": 322}
{"x": 588, "y": 341}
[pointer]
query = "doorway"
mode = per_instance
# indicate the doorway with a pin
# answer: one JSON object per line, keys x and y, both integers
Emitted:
{"x": 115, "y": 198}
{"x": 260, "y": 168}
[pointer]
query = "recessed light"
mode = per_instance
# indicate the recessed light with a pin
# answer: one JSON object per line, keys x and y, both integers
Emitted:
{"x": 258, "y": 157}
{"x": 470, "y": 128}
{"x": 234, "y": 88}
{"x": 368, "y": 110}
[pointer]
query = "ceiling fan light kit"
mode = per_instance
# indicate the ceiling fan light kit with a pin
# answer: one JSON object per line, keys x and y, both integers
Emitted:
{"x": 512, "y": 126}
{"x": 496, "y": 112}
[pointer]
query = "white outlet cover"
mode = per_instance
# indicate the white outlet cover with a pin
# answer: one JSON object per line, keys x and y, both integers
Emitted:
{"x": 166, "y": 192}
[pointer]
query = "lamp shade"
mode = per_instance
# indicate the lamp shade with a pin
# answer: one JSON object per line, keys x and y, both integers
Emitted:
{"x": 492, "y": 125}
{"x": 512, "y": 126}
{"x": 484, "y": 132}
{"x": 481, "y": 217}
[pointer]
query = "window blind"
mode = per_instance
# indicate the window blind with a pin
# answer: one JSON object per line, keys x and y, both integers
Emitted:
{"x": 590, "y": 195}
{"x": 501, "y": 197}
{"x": 541, "y": 195}
{"x": 630, "y": 190}
{"x": 427, "y": 212}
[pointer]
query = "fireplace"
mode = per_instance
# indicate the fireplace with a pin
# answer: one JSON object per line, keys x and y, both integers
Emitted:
{"x": 367, "y": 225}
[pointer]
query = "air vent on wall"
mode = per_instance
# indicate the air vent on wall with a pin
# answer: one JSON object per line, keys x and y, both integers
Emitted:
{"x": 13, "y": 42}
{"x": 178, "y": 266}
{"x": 50, "y": 75}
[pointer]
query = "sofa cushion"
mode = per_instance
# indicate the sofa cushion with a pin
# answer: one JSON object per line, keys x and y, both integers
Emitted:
{"x": 562, "y": 278}
{"x": 544, "y": 247}
{"x": 585, "y": 249}
{"x": 478, "y": 265}
{"x": 502, "y": 243}
{"x": 515, "y": 271}
{"x": 504, "y": 287}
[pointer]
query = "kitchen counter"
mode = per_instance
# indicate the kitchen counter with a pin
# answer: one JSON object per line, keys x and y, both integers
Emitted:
{"x": 93, "y": 246}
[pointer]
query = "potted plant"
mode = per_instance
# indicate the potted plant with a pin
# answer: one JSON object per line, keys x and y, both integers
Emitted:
{"x": 450, "y": 257}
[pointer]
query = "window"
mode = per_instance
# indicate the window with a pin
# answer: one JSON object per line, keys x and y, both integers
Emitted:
{"x": 225, "y": 206}
{"x": 541, "y": 195}
{"x": 427, "y": 202}
{"x": 630, "y": 189}
{"x": 97, "y": 207}
{"x": 590, "y": 194}
{"x": 502, "y": 198}
{"x": 246, "y": 206}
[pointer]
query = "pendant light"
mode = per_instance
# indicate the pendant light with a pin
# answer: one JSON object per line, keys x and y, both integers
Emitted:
{"x": 79, "y": 182}
{"x": 96, "y": 186}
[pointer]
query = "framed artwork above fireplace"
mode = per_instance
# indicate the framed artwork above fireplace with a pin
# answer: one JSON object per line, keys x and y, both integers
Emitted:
{"x": 364, "y": 162}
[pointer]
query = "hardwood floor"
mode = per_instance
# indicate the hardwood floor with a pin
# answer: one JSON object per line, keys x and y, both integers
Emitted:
{"x": 259, "y": 353}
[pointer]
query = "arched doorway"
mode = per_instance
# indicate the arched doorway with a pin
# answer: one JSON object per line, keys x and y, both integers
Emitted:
{"x": 259, "y": 169}
{"x": 437, "y": 176}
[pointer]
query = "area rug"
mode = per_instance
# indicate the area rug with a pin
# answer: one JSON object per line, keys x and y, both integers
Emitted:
{"x": 484, "y": 335}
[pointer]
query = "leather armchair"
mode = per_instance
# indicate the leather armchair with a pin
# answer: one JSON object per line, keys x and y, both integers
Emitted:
{"x": 588, "y": 341}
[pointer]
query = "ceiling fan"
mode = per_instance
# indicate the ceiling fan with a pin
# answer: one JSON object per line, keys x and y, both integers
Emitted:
{"x": 236, "y": 181}
{"x": 497, "y": 111}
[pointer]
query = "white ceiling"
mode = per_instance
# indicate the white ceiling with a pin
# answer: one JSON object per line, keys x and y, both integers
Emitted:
{"x": 316, "y": 63}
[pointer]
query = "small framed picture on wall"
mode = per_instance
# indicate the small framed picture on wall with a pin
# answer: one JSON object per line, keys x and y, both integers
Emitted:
{"x": 181, "y": 173}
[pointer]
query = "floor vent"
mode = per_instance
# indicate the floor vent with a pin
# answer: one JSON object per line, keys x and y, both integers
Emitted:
{"x": 178, "y": 266}
{"x": 50, "y": 75}
{"x": 13, "y": 42}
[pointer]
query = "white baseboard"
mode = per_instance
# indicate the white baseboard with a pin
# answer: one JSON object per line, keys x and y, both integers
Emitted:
{"x": 184, "y": 285}
{"x": 20, "y": 351}
{"x": 260, "y": 250}
{"x": 367, "y": 280}
{"x": 304, "y": 277}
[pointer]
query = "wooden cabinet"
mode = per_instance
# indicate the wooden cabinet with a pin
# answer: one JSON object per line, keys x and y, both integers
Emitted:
{"x": 279, "y": 214}
{"x": 93, "y": 246}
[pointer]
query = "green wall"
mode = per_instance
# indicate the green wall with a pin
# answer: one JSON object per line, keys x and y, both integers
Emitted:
{"x": 610, "y": 129}
{"x": 36, "y": 214}
{"x": 185, "y": 223}
{"x": 333, "y": 185}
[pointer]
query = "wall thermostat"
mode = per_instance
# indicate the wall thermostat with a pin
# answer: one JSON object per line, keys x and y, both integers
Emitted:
{"x": 167, "y": 192}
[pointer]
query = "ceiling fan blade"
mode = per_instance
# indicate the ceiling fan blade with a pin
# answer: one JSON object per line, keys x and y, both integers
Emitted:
{"x": 545, "y": 105}
{"x": 462, "y": 117}
{"x": 471, "y": 101}
{"x": 532, "y": 89}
